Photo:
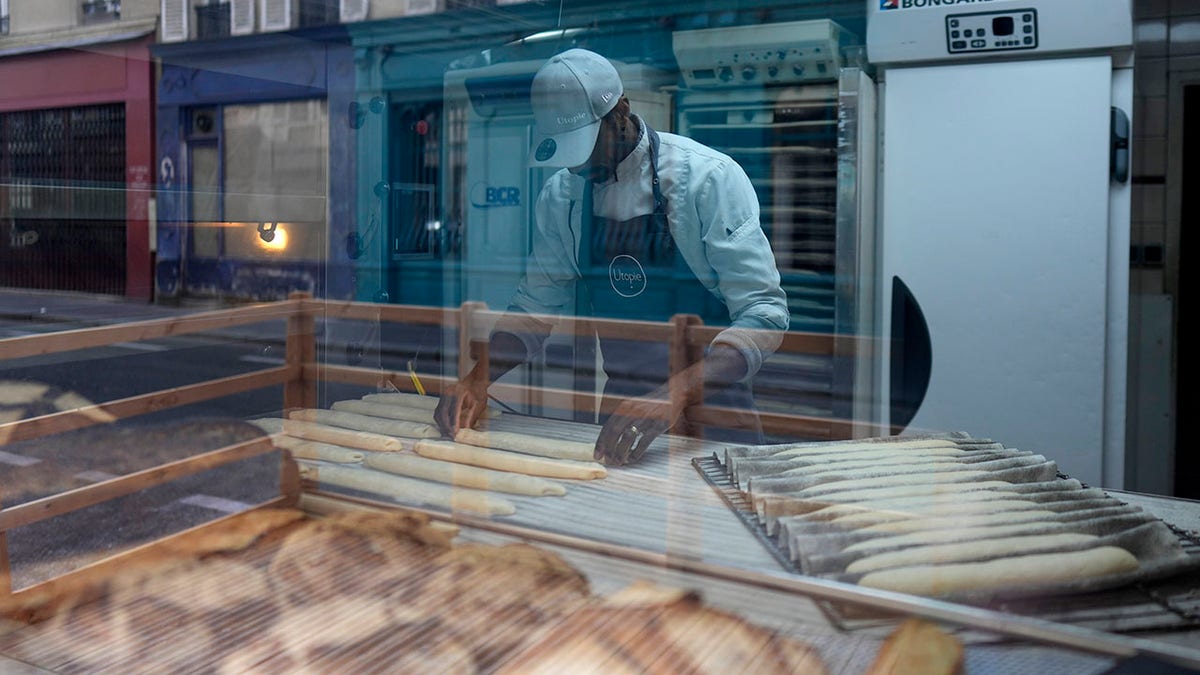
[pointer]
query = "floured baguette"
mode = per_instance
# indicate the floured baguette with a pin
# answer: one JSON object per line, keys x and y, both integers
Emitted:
{"x": 463, "y": 475}
{"x": 360, "y": 422}
{"x": 835, "y": 448}
{"x": 868, "y": 520}
{"x": 526, "y": 444}
{"x": 386, "y": 411}
{"x": 326, "y": 452}
{"x": 1026, "y": 570}
{"x": 311, "y": 431}
{"x": 790, "y": 481}
{"x": 967, "y": 551}
{"x": 834, "y": 511}
{"x": 410, "y": 489}
{"x": 958, "y": 522}
{"x": 502, "y": 460}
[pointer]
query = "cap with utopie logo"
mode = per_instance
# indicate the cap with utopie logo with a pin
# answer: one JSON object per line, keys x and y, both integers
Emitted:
{"x": 571, "y": 92}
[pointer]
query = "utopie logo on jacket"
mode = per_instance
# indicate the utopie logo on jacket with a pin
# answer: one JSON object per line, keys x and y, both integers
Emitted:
{"x": 627, "y": 277}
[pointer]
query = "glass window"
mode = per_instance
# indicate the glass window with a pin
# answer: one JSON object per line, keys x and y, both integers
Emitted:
{"x": 276, "y": 179}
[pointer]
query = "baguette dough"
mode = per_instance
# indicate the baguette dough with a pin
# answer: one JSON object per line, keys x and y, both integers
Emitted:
{"x": 463, "y": 475}
{"x": 957, "y": 522}
{"x": 386, "y": 411}
{"x": 361, "y": 422}
{"x": 931, "y": 478}
{"x": 834, "y": 511}
{"x": 944, "y": 510}
{"x": 311, "y": 431}
{"x": 410, "y": 489}
{"x": 529, "y": 445}
{"x": 961, "y": 552}
{"x": 1027, "y": 570}
{"x": 327, "y": 452}
{"x": 509, "y": 461}
{"x": 838, "y": 448}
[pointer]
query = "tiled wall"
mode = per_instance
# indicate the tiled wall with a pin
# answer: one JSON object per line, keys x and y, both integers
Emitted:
{"x": 1167, "y": 50}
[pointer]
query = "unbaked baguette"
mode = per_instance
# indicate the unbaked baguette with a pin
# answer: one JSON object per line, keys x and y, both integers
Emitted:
{"x": 312, "y": 431}
{"x": 502, "y": 460}
{"x": 386, "y": 411}
{"x": 409, "y": 489}
{"x": 360, "y": 422}
{"x": 463, "y": 475}
{"x": 326, "y": 452}
{"x": 1025, "y": 570}
{"x": 526, "y": 444}
{"x": 968, "y": 551}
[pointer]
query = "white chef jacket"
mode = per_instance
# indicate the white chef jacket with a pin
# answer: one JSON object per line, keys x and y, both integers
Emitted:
{"x": 714, "y": 219}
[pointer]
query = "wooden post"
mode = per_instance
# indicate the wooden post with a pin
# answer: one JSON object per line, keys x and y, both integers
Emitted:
{"x": 301, "y": 349}
{"x": 681, "y": 357}
{"x": 289, "y": 479}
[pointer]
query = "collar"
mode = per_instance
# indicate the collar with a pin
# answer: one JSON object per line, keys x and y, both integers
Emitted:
{"x": 631, "y": 168}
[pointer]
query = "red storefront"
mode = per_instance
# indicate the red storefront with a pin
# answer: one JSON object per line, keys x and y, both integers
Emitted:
{"x": 76, "y": 168}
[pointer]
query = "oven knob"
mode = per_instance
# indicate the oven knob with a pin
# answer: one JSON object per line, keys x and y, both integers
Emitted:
{"x": 725, "y": 74}
{"x": 748, "y": 72}
{"x": 772, "y": 72}
{"x": 798, "y": 70}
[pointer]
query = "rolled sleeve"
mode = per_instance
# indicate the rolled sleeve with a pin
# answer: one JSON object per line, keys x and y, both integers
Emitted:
{"x": 741, "y": 258}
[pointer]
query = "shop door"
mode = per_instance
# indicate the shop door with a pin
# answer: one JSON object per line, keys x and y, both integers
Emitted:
{"x": 62, "y": 199}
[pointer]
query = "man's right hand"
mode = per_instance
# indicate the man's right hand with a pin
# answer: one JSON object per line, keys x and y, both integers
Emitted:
{"x": 463, "y": 405}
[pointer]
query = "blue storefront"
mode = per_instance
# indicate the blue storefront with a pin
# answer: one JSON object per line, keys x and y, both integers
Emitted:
{"x": 255, "y": 166}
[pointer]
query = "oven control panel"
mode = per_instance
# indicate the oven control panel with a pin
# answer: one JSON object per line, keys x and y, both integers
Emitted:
{"x": 992, "y": 31}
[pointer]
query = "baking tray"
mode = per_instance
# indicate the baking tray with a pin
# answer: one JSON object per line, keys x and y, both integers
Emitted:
{"x": 1164, "y": 604}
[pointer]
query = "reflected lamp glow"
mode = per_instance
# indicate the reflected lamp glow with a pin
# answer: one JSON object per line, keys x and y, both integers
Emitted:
{"x": 272, "y": 237}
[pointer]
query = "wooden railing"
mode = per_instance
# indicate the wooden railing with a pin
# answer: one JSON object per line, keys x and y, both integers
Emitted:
{"x": 301, "y": 373}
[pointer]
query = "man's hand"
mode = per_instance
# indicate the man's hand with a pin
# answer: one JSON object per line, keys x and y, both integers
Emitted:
{"x": 463, "y": 405}
{"x": 633, "y": 426}
{"x": 636, "y": 422}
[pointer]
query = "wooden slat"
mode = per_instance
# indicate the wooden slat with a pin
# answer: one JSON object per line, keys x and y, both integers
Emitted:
{"x": 108, "y": 566}
{"x": 815, "y": 428}
{"x": 369, "y": 311}
{"x": 371, "y": 377}
{"x": 79, "y": 418}
{"x": 83, "y": 338}
{"x": 73, "y": 500}
{"x": 5, "y": 566}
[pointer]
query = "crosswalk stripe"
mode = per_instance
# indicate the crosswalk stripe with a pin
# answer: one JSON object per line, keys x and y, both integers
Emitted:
{"x": 253, "y": 358}
{"x": 94, "y": 476}
{"x": 216, "y": 503}
{"x": 17, "y": 460}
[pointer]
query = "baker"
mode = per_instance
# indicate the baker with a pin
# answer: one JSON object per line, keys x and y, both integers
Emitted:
{"x": 633, "y": 208}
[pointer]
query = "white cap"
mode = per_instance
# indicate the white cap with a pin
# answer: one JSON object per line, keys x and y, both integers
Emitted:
{"x": 570, "y": 93}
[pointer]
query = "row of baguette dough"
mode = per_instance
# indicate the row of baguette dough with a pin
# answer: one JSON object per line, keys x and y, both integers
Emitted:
{"x": 922, "y": 469}
{"x": 393, "y": 434}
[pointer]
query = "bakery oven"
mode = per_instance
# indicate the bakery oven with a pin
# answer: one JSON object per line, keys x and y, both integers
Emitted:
{"x": 789, "y": 102}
